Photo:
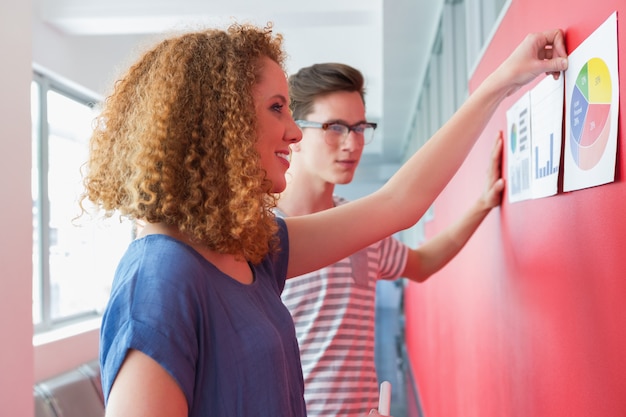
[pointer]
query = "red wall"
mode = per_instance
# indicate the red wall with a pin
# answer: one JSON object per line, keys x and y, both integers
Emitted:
{"x": 530, "y": 318}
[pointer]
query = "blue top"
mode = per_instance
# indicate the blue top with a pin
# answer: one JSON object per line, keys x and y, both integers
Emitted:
{"x": 231, "y": 347}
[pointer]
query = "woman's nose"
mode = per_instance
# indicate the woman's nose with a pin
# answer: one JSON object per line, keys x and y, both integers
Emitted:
{"x": 293, "y": 132}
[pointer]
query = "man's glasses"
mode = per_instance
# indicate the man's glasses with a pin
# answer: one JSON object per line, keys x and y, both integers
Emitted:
{"x": 336, "y": 133}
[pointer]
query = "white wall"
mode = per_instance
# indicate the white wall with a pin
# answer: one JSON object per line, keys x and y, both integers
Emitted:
{"x": 91, "y": 62}
{"x": 16, "y": 350}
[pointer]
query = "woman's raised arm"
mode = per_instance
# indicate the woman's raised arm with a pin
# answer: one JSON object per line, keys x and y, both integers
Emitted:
{"x": 319, "y": 239}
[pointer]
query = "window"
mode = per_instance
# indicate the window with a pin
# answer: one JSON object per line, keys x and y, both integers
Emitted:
{"x": 465, "y": 28}
{"x": 74, "y": 258}
{"x": 482, "y": 18}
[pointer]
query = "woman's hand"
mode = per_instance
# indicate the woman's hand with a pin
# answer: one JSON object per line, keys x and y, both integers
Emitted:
{"x": 539, "y": 52}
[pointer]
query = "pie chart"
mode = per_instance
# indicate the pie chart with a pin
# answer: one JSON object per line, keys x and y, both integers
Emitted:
{"x": 590, "y": 113}
{"x": 513, "y": 138}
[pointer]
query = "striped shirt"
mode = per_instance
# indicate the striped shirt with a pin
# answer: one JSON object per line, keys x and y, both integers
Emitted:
{"x": 334, "y": 314}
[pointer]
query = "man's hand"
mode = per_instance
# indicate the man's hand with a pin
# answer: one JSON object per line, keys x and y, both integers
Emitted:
{"x": 492, "y": 196}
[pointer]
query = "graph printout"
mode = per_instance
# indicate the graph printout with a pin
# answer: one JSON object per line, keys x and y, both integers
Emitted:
{"x": 592, "y": 94}
{"x": 519, "y": 150}
{"x": 546, "y": 105}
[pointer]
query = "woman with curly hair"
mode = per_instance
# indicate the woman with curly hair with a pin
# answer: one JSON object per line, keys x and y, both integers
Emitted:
{"x": 194, "y": 143}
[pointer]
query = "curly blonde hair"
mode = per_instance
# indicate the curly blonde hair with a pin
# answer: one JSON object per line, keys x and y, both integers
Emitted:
{"x": 175, "y": 141}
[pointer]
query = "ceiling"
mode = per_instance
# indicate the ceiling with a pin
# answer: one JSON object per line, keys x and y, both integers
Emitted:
{"x": 388, "y": 40}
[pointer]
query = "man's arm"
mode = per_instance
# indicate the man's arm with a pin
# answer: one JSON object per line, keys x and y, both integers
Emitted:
{"x": 438, "y": 251}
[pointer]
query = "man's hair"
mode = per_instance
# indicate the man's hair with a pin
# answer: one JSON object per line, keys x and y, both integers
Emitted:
{"x": 319, "y": 79}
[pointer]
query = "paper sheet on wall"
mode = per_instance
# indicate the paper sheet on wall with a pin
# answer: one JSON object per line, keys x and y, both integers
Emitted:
{"x": 518, "y": 150}
{"x": 592, "y": 97}
{"x": 546, "y": 104}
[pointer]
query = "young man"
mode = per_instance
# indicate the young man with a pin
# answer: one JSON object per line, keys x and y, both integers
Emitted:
{"x": 334, "y": 307}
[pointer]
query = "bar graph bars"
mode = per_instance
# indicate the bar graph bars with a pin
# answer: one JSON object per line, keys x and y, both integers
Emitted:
{"x": 549, "y": 168}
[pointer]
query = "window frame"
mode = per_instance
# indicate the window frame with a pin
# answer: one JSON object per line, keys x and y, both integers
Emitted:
{"x": 48, "y": 82}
